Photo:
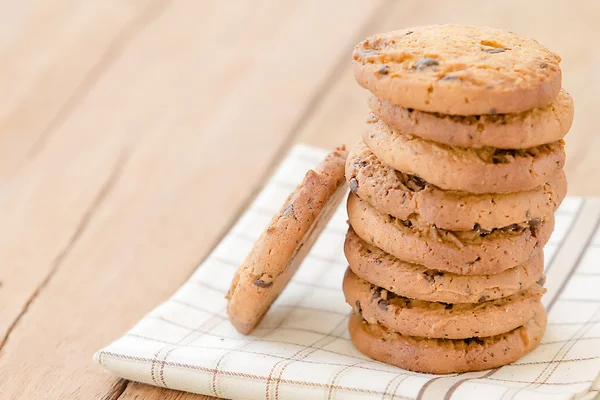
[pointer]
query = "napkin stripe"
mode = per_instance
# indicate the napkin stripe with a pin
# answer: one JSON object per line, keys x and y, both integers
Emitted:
{"x": 264, "y": 354}
{"x": 302, "y": 349}
{"x": 457, "y": 384}
{"x": 567, "y": 346}
{"x": 143, "y": 360}
{"x": 326, "y": 339}
{"x": 396, "y": 385}
{"x": 565, "y": 239}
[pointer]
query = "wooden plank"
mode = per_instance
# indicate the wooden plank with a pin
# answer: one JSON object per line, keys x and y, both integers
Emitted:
{"x": 51, "y": 54}
{"x": 39, "y": 75}
{"x": 148, "y": 169}
{"x": 340, "y": 114}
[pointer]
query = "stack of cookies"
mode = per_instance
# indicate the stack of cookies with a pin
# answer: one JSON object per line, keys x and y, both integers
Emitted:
{"x": 453, "y": 193}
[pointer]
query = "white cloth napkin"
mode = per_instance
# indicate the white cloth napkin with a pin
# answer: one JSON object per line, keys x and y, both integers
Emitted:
{"x": 301, "y": 350}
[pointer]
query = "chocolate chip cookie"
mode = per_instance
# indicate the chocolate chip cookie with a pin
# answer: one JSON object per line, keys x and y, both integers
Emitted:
{"x": 281, "y": 248}
{"x": 439, "y": 320}
{"x": 523, "y": 130}
{"x": 483, "y": 170}
{"x": 458, "y": 70}
{"x": 400, "y": 195}
{"x": 444, "y": 356}
{"x": 417, "y": 282}
{"x": 460, "y": 252}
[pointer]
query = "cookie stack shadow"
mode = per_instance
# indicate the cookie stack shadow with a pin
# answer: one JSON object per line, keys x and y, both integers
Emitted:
{"x": 453, "y": 192}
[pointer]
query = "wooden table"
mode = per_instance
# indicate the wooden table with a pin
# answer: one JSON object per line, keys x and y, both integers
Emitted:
{"x": 134, "y": 133}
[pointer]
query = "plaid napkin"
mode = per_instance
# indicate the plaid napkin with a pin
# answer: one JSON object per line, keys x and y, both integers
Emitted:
{"x": 302, "y": 350}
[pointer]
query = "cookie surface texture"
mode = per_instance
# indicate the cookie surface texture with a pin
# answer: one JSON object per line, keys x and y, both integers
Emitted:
{"x": 445, "y": 356}
{"x": 400, "y": 195}
{"x": 483, "y": 170}
{"x": 439, "y": 320}
{"x": 282, "y": 246}
{"x": 505, "y": 131}
{"x": 417, "y": 282}
{"x": 459, "y": 252}
{"x": 458, "y": 70}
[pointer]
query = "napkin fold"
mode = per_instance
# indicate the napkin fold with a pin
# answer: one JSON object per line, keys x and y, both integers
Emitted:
{"x": 302, "y": 350}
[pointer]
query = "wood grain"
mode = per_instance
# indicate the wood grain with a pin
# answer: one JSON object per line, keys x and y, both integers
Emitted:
{"x": 148, "y": 170}
{"x": 133, "y": 133}
{"x": 39, "y": 78}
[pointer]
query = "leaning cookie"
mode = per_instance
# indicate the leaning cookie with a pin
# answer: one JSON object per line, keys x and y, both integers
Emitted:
{"x": 445, "y": 356}
{"x": 439, "y": 320}
{"x": 400, "y": 195}
{"x": 417, "y": 282}
{"x": 280, "y": 249}
{"x": 459, "y": 252}
{"x": 505, "y": 131}
{"x": 458, "y": 70}
{"x": 484, "y": 170}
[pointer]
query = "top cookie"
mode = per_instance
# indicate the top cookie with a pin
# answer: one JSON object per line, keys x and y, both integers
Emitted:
{"x": 458, "y": 70}
{"x": 283, "y": 244}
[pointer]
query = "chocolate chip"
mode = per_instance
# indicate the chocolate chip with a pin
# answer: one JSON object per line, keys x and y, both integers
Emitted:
{"x": 289, "y": 209}
{"x": 410, "y": 110}
{"x": 416, "y": 183}
{"x": 473, "y": 339}
{"x": 503, "y": 156}
{"x": 542, "y": 281}
{"x": 409, "y": 33}
{"x": 262, "y": 284}
{"x": 430, "y": 275}
{"x": 450, "y": 78}
{"x": 406, "y": 223}
{"x": 383, "y": 304}
{"x": 378, "y": 261}
{"x": 534, "y": 226}
{"x": 482, "y": 232}
{"x": 544, "y": 66}
{"x": 449, "y": 306}
{"x": 358, "y": 307}
{"x": 353, "y": 185}
{"x": 360, "y": 164}
{"x": 426, "y": 62}
{"x": 383, "y": 70}
{"x": 512, "y": 228}
{"x": 474, "y": 261}
{"x": 495, "y": 50}
{"x": 482, "y": 299}
{"x": 376, "y": 294}
{"x": 365, "y": 52}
